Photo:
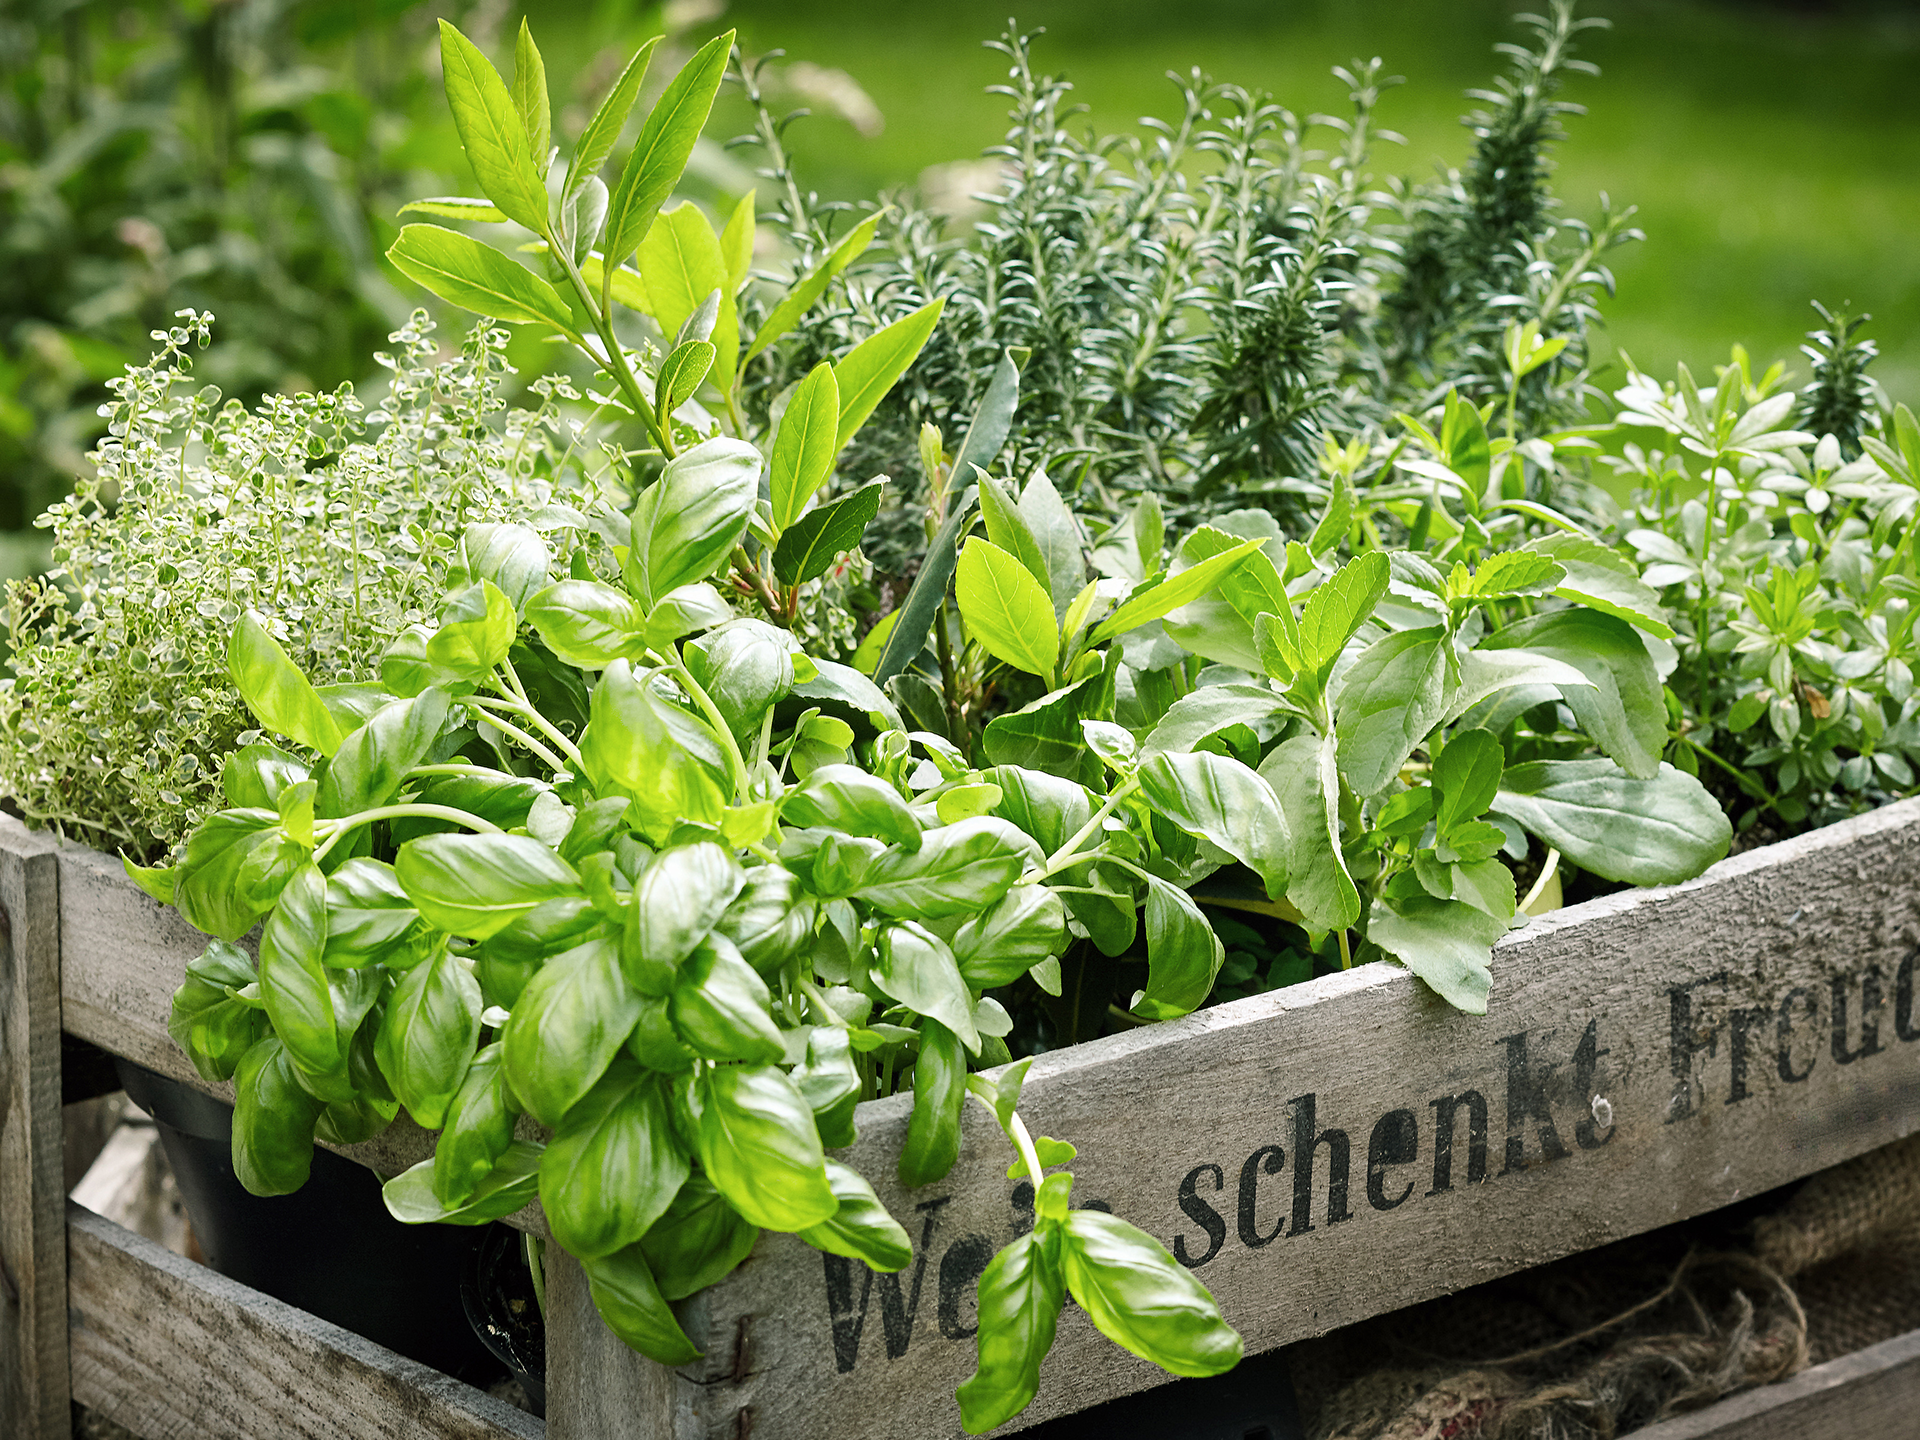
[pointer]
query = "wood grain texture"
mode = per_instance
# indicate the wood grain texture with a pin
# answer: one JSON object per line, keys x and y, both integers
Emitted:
{"x": 598, "y": 1389}
{"x": 125, "y": 954}
{"x": 1872, "y": 1393}
{"x": 33, "y": 1256}
{"x": 1647, "y": 1057}
{"x": 173, "y": 1351}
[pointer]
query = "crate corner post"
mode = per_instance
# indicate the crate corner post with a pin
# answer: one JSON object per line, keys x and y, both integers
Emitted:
{"x": 35, "y": 1387}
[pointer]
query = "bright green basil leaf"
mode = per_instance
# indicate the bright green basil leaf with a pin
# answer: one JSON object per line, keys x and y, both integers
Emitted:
{"x": 275, "y": 691}
{"x": 510, "y": 1186}
{"x": 586, "y": 623}
{"x": 603, "y": 130}
{"x": 1306, "y": 781}
{"x": 477, "y": 625}
{"x": 493, "y": 131}
{"x": 1006, "y": 609}
{"x": 254, "y": 776}
{"x": 1046, "y": 807}
{"x": 1045, "y": 735}
{"x": 477, "y": 1131}
{"x": 939, "y": 1093}
{"x": 295, "y": 809}
{"x": 1183, "y": 954}
{"x": 567, "y": 1026}
{"x": 214, "y": 1029}
{"x": 372, "y": 762}
{"x": 655, "y": 1043}
{"x": 1622, "y": 706}
{"x": 755, "y": 1139}
{"x": 745, "y": 666}
{"x": 687, "y": 521}
{"x": 1142, "y": 1299}
{"x": 1466, "y": 777}
{"x": 1644, "y": 832}
{"x": 721, "y": 1007}
{"x": 1222, "y": 800}
{"x": 294, "y": 981}
{"x": 1389, "y": 700}
{"x": 958, "y": 869}
{"x": 812, "y": 543}
{"x": 513, "y": 557}
{"x": 427, "y": 1039}
{"x": 846, "y": 798}
{"x": 660, "y": 154}
{"x": 804, "y": 292}
{"x": 915, "y": 967}
{"x": 500, "y": 798}
{"x": 633, "y": 746}
{"x": 1157, "y": 597}
{"x": 1446, "y": 943}
{"x": 628, "y": 1299}
{"x": 404, "y": 668}
{"x": 869, "y": 370}
{"x": 233, "y": 869}
{"x": 1003, "y": 942}
{"x": 698, "y": 1242}
{"x": 273, "y": 1121}
{"x": 474, "y": 885}
{"x": 1020, "y": 1295}
{"x": 676, "y": 902}
{"x": 830, "y": 1085}
{"x": 613, "y": 1165}
{"x": 476, "y": 277}
{"x": 804, "y": 446}
{"x": 683, "y": 610}
{"x": 861, "y": 1228}
{"x": 506, "y": 962}
{"x": 769, "y": 919}
{"x": 157, "y": 880}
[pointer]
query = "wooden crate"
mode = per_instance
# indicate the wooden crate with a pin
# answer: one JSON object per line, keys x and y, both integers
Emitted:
{"x": 1322, "y": 1154}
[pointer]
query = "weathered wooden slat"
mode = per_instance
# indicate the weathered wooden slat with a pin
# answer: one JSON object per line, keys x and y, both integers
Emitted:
{"x": 33, "y": 1258}
{"x": 1873, "y": 1392}
{"x": 1336, "y": 1150}
{"x": 173, "y": 1351}
{"x": 124, "y": 956}
{"x": 595, "y": 1390}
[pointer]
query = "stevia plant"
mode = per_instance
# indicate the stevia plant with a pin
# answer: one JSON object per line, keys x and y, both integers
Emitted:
{"x": 1781, "y": 528}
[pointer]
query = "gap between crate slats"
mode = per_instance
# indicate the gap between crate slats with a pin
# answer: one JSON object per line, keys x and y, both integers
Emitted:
{"x": 171, "y": 1349}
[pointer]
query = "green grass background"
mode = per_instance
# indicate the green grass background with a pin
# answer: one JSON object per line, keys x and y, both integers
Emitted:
{"x": 1774, "y": 154}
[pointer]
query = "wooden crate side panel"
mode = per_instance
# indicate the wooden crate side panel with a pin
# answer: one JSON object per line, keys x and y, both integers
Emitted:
{"x": 597, "y": 1389}
{"x": 173, "y": 1351}
{"x": 33, "y": 1260}
{"x": 1873, "y": 1392}
{"x": 1648, "y": 1056}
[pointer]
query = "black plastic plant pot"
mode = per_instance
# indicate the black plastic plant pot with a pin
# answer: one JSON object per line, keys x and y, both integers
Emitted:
{"x": 330, "y": 1248}
{"x": 504, "y": 1310}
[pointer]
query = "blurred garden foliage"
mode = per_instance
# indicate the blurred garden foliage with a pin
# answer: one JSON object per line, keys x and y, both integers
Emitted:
{"x": 248, "y": 158}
